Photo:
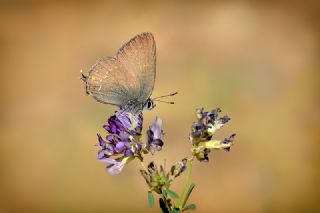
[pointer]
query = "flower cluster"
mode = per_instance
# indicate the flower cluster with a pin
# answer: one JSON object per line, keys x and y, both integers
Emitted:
{"x": 202, "y": 133}
{"x": 123, "y": 141}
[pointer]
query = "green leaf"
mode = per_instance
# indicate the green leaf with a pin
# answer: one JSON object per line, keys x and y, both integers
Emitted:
{"x": 190, "y": 207}
{"x": 169, "y": 181}
{"x": 150, "y": 199}
{"x": 172, "y": 194}
{"x": 191, "y": 187}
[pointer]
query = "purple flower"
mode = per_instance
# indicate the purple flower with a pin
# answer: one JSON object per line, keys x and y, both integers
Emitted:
{"x": 124, "y": 121}
{"x": 107, "y": 149}
{"x": 155, "y": 136}
{"x": 114, "y": 126}
{"x": 202, "y": 133}
{"x": 198, "y": 129}
{"x": 122, "y": 143}
{"x": 208, "y": 123}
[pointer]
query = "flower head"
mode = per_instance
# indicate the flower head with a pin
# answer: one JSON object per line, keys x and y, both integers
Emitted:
{"x": 202, "y": 133}
{"x": 122, "y": 143}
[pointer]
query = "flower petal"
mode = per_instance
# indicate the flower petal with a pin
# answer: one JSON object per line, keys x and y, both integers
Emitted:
{"x": 156, "y": 128}
{"x": 101, "y": 141}
{"x": 117, "y": 167}
{"x": 155, "y": 136}
{"x": 108, "y": 160}
{"x": 217, "y": 144}
{"x": 120, "y": 146}
{"x": 129, "y": 120}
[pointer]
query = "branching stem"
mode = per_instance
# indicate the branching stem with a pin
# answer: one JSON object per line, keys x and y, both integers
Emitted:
{"x": 186, "y": 184}
{"x": 143, "y": 166}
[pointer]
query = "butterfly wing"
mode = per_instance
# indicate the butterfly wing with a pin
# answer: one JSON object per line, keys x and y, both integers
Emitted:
{"x": 138, "y": 56}
{"x": 126, "y": 80}
{"x": 109, "y": 82}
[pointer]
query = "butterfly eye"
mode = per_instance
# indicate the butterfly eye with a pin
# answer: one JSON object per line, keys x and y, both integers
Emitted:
{"x": 150, "y": 105}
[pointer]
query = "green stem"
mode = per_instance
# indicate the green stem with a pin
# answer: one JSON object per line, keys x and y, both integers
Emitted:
{"x": 189, "y": 169}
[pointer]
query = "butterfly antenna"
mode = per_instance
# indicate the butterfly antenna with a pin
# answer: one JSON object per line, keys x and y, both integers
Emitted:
{"x": 172, "y": 94}
{"x": 83, "y": 77}
{"x": 167, "y": 102}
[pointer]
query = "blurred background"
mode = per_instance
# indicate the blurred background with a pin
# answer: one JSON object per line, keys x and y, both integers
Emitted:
{"x": 257, "y": 61}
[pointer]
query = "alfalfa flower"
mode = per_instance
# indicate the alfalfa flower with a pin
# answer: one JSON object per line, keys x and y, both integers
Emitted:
{"x": 201, "y": 135}
{"x": 123, "y": 141}
{"x": 155, "y": 136}
{"x": 122, "y": 144}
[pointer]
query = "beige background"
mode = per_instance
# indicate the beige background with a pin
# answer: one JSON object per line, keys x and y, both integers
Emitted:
{"x": 259, "y": 62}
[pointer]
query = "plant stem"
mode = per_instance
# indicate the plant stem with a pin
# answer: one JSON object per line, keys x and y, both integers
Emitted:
{"x": 189, "y": 169}
{"x": 143, "y": 166}
{"x": 166, "y": 202}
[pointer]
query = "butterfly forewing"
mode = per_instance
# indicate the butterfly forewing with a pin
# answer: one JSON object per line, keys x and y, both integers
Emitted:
{"x": 138, "y": 56}
{"x": 127, "y": 79}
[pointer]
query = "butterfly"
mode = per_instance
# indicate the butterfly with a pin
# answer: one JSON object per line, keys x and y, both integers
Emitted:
{"x": 126, "y": 79}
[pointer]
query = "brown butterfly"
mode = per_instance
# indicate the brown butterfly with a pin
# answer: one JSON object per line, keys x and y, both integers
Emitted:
{"x": 126, "y": 79}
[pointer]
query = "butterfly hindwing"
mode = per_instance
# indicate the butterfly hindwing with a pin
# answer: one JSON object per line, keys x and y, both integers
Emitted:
{"x": 109, "y": 82}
